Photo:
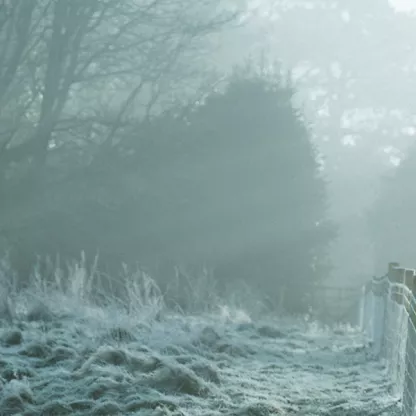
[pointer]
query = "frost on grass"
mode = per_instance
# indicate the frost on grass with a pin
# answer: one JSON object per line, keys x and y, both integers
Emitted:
{"x": 63, "y": 354}
{"x": 16, "y": 396}
{"x": 258, "y": 409}
{"x": 11, "y": 337}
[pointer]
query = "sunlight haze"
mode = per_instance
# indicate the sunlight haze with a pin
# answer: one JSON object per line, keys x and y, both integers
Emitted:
{"x": 404, "y": 5}
{"x": 207, "y": 207}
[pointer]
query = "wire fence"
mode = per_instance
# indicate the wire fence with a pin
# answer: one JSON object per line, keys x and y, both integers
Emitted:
{"x": 388, "y": 316}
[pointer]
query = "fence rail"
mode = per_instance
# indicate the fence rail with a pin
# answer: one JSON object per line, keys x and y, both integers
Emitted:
{"x": 388, "y": 316}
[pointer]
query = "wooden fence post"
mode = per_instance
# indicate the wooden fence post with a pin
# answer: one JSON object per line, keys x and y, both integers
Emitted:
{"x": 392, "y": 267}
{"x": 396, "y": 276}
{"x": 363, "y": 308}
{"x": 380, "y": 311}
{"x": 368, "y": 325}
{"x": 409, "y": 388}
{"x": 393, "y": 318}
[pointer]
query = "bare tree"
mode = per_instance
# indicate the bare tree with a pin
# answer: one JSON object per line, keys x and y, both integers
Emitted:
{"x": 75, "y": 75}
{"x": 59, "y": 56}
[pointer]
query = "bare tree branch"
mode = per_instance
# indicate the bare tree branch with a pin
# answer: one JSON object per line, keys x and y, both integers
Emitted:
{"x": 61, "y": 44}
{"x": 18, "y": 30}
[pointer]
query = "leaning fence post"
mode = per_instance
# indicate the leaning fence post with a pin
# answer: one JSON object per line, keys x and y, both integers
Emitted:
{"x": 409, "y": 388}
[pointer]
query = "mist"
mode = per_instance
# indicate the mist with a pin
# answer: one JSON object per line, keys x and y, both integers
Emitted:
{"x": 208, "y": 168}
{"x": 69, "y": 106}
{"x": 353, "y": 69}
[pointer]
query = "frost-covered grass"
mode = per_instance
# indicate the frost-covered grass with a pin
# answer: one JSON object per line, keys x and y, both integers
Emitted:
{"x": 66, "y": 350}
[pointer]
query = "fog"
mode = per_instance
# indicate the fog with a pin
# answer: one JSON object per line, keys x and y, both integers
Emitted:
{"x": 143, "y": 134}
{"x": 182, "y": 185}
{"x": 353, "y": 65}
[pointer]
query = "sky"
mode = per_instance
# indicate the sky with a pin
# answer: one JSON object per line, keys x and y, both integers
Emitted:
{"x": 404, "y": 4}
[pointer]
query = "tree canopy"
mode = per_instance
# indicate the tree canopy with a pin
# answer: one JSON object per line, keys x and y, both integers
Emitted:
{"x": 99, "y": 153}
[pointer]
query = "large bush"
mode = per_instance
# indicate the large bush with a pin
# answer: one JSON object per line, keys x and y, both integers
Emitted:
{"x": 233, "y": 185}
{"x": 255, "y": 199}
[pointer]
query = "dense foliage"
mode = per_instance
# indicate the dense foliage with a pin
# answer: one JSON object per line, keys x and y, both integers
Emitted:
{"x": 234, "y": 185}
{"x": 99, "y": 153}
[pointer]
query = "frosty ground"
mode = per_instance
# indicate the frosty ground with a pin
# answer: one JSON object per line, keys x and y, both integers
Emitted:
{"x": 99, "y": 361}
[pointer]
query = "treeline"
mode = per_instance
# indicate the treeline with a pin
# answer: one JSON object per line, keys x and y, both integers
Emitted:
{"x": 230, "y": 182}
